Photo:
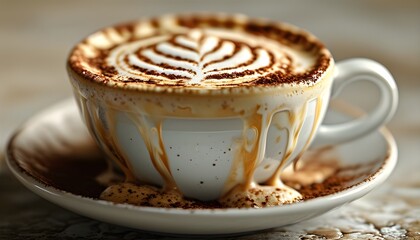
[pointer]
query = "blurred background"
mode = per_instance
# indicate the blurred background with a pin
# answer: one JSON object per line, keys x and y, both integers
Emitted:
{"x": 36, "y": 36}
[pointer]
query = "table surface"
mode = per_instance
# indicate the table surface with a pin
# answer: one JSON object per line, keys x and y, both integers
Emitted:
{"x": 36, "y": 36}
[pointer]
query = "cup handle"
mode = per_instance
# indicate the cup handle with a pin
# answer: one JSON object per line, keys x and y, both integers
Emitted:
{"x": 349, "y": 71}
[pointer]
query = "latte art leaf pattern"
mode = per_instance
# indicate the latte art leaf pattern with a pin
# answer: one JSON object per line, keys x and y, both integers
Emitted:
{"x": 195, "y": 58}
{"x": 215, "y": 53}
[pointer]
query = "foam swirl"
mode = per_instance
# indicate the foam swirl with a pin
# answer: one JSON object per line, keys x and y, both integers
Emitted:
{"x": 197, "y": 57}
{"x": 200, "y": 52}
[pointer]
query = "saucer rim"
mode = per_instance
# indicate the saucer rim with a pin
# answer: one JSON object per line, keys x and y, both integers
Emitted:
{"x": 359, "y": 189}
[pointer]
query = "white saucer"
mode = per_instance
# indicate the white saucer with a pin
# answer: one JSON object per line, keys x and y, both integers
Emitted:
{"x": 59, "y": 129}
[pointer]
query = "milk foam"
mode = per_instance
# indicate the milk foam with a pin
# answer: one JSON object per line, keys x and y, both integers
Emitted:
{"x": 204, "y": 56}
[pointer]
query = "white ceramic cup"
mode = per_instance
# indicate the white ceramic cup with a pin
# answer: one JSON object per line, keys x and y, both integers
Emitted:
{"x": 205, "y": 143}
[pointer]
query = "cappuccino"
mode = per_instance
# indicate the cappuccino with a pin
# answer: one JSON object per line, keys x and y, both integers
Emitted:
{"x": 212, "y": 107}
{"x": 162, "y": 74}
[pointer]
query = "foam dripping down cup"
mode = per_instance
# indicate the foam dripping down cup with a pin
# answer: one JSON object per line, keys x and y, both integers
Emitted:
{"x": 214, "y": 106}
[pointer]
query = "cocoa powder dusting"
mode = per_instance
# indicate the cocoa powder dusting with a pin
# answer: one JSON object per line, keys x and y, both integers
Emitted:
{"x": 265, "y": 76}
{"x": 331, "y": 185}
{"x": 309, "y": 76}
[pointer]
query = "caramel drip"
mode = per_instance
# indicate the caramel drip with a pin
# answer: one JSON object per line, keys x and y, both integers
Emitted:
{"x": 152, "y": 137}
{"x": 249, "y": 148}
{"x": 249, "y": 151}
{"x": 295, "y": 117}
{"x": 88, "y": 120}
{"x": 318, "y": 109}
{"x": 150, "y": 133}
{"x": 115, "y": 146}
{"x": 109, "y": 144}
